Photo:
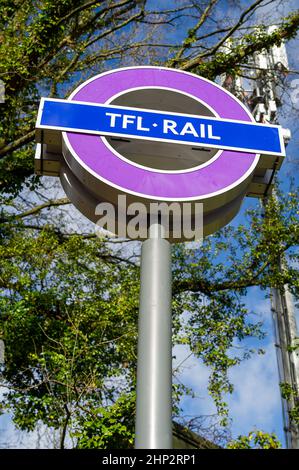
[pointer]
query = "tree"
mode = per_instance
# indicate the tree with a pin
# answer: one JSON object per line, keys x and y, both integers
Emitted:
{"x": 255, "y": 440}
{"x": 69, "y": 328}
{"x": 45, "y": 48}
{"x": 69, "y": 304}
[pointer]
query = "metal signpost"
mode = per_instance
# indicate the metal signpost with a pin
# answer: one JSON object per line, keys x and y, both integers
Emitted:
{"x": 126, "y": 132}
{"x": 154, "y": 377}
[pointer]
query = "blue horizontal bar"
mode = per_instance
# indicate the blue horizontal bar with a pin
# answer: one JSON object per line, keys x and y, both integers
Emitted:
{"x": 160, "y": 126}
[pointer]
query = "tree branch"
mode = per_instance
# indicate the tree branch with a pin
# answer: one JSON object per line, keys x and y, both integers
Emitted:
{"x": 25, "y": 139}
{"x": 188, "y": 41}
{"x": 115, "y": 28}
{"x": 234, "y": 28}
{"x": 238, "y": 55}
{"x": 90, "y": 4}
{"x": 242, "y": 282}
{"x": 36, "y": 209}
{"x": 65, "y": 425}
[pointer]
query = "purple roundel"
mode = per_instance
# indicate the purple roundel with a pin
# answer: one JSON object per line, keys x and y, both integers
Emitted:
{"x": 222, "y": 174}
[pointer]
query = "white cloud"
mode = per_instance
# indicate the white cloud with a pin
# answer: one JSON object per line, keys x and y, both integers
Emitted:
{"x": 256, "y": 400}
{"x": 194, "y": 374}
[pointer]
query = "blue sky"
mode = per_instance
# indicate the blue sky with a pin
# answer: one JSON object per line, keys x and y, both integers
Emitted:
{"x": 255, "y": 402}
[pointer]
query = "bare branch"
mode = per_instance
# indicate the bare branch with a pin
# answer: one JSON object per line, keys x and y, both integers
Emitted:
{"x": 36, "y": 209}
{"x": 238, "y": 55}
{"x": 115, "y": 28}
{"x": 241, "y": 20}
{"x": 90, "y": 4}
{"x": 191, "y": 33}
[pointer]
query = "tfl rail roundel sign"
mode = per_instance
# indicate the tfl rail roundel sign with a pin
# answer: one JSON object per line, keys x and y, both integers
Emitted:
{"x": 157, "y": 134}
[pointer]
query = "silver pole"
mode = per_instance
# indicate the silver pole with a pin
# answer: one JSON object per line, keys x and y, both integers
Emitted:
{"x": 154, "y": 366}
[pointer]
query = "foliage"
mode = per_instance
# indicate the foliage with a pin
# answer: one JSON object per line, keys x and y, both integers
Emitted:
{"x": 255, "y": 440}
{"x": 69, "y": 320}
{"x": 214, "y": 278}
{"x": 43, "y": 47}
{"x": 288, "y": 392}
{"x": 46, "y": 49}
{"x": 110, "y": 427}
{"x": 69, "y": 328}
